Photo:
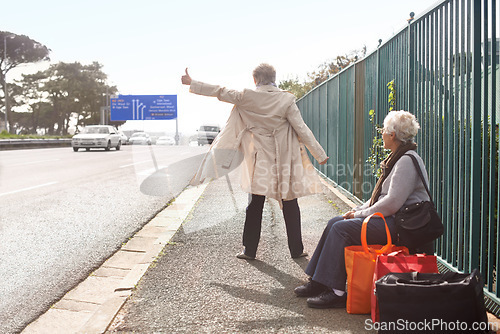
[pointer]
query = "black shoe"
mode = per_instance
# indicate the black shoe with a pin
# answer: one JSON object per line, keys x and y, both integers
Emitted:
{"x": 328, "y": 299}
{"x": 310, "y": 289}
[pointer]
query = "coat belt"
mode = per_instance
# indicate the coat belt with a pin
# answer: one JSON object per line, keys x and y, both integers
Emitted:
{"x": 260, "y": 132}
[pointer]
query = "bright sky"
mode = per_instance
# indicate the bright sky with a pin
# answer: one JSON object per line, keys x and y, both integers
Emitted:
{"x": 145, "y": 46}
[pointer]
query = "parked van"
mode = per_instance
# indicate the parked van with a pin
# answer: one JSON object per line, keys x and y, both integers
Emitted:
{"x": 207, "y": 134}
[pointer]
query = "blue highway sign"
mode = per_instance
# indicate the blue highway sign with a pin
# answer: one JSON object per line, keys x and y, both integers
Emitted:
{"x": 143, "y": 107}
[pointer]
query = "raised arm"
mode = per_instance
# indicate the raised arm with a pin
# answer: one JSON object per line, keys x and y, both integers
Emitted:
{"x": 201, "y": 88}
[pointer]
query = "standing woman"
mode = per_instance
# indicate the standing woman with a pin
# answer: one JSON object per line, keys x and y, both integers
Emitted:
{"x": 266, "y": 128}
{"x": 399, "y": 185}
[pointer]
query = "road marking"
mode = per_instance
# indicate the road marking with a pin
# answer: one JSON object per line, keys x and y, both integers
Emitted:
{"x": 34, "y": 162}
{"x": 29, "y": 188}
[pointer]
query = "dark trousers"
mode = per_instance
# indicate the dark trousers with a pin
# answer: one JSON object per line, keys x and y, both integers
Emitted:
{"x": 253, "y": 225}
{"x": 327, "y": 265}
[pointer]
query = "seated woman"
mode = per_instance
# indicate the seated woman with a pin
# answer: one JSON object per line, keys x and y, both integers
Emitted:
{"x": 399, "y": 185}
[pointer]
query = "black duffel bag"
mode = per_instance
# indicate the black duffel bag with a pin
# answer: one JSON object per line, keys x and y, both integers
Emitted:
{"x": 431, "y": 303}
{"x": 418, "y": 224}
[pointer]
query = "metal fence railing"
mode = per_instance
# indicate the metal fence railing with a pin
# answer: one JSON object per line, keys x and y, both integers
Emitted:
{"x": 445, "y": 66}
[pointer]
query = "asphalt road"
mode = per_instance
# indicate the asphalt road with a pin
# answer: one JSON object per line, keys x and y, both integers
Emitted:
{"x": 63, "y": 213}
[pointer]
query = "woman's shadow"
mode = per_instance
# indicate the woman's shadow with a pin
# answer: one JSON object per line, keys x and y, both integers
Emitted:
{"x": 283, "y": 298}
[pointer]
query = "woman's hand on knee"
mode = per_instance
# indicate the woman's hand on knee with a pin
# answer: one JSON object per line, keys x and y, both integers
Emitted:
{"x": 349, "y": 215}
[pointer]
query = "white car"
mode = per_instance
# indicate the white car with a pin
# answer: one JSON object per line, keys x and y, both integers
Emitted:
{"x": 97, "y": 136}
{"x": 165, "y": 140}
{"x": 123, "y": 137}
{"x": 207, "y": 134}
{"x": 141, "y": 138}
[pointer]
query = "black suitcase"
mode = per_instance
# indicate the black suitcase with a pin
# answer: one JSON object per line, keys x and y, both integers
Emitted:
{"x": 431, "y": 303}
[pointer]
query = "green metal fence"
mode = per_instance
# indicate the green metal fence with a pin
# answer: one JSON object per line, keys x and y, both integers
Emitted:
{"x": 445, "y": 66}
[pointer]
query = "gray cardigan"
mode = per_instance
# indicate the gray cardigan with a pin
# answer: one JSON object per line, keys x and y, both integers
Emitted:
{"x": 402, "y": 187}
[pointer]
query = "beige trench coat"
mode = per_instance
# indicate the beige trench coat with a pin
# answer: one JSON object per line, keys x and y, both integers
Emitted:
{"x": 265, "y": 131}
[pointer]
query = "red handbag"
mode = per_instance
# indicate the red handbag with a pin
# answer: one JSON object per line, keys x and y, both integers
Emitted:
{"x": 397, "y": 262}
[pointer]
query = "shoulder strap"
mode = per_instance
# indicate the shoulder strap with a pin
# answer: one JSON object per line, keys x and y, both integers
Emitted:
{"x": 419, "y": 171}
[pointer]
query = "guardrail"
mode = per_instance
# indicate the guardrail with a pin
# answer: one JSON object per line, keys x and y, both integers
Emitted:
{"x": 22, "y": 144}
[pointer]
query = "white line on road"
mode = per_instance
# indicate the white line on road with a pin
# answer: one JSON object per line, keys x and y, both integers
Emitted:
{"x": 29, "y": 188}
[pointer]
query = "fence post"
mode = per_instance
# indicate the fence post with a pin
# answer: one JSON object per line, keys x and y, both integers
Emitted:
{"x": 486, "y": 197}
{"x": 377, "y": 88}
{"x": 494, "y": 262}
{"x": 475, "y": 183}
{"x": 411, "y": 64}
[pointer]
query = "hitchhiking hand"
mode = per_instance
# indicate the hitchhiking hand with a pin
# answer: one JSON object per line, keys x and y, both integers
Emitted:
{"x": 186, "y": 79}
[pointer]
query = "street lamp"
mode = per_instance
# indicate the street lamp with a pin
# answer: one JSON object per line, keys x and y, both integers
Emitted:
{"x": 5, "y": 80}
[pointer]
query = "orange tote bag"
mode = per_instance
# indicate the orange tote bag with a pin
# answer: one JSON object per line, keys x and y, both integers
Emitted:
{"x": 360, "y": 266}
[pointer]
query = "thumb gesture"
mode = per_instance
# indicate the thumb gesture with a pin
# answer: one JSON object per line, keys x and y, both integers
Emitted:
{"x": 186, "y": 79}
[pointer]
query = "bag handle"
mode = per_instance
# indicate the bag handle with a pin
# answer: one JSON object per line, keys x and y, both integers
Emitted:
{"x": 405, "y": 281}
{"x": 364, "y": 227}
{"x": 401, "y": 253}
{"x": 419, "y": 171}
{"x": 397, "y": 253}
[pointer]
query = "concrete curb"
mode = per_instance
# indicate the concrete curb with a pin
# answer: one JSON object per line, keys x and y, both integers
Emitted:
{"x": 92, "y": 305}
{"x": 338, "y": 193}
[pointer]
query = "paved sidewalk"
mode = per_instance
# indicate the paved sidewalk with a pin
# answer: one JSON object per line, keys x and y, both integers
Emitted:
{"x": 197, "y": 285}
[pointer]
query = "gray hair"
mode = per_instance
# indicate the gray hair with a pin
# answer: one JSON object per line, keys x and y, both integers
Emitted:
{"x": 403, "y": 124}
{"x": 264, "y": 74}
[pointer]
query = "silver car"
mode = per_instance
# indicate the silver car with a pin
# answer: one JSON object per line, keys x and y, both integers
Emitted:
{"x": 165, "y": 140}
{"x": 141, "y": 138}
{"x": 97, "y": 136}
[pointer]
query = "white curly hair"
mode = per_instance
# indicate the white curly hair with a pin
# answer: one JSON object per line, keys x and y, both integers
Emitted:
{"x": 403, "y": 124}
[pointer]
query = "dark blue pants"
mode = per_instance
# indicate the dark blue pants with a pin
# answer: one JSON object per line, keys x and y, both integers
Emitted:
{"x": 327, "y": 265}
{"x": 253, "y": 225}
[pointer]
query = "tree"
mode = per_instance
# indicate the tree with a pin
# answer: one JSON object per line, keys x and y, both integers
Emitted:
{"x": 324, "y": 71}
{"x": 332, "y": 67}
{"x": 74, "y": 92}
{"x": 20, "y": 50}
{"x": 31, "y": 97}
{"x": 296, "y": 88}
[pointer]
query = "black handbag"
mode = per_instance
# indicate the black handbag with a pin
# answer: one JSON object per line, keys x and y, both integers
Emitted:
{"x": 419, "y": 223}
{"x": 431, "y": 303}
